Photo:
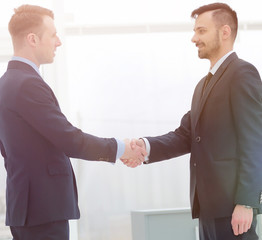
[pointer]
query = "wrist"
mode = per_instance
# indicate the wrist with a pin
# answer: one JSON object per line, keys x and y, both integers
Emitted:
{"x": 147, "y": 147}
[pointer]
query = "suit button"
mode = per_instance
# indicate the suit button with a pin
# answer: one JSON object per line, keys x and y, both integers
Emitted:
{"x": 194, "y": 164}
{"x": 198, "y": 139}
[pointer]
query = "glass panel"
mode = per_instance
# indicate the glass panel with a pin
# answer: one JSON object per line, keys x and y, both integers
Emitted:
{"x": 129, "y": 85}
{"x": 148, "y": 11}
{"x": 131, "y": 11}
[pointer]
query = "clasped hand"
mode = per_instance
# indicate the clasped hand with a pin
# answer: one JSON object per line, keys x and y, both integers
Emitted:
{"x": 135, "y": 152}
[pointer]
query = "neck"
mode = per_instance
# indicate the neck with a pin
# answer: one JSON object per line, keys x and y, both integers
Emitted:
{"x": 214, "y": 59}
{"x": 27, "y": 55}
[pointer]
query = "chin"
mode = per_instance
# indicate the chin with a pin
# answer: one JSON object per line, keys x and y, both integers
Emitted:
{"x": 201, "y": 55}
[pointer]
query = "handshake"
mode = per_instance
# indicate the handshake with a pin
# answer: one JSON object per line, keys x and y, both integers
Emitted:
{"x": 135, "y": 152}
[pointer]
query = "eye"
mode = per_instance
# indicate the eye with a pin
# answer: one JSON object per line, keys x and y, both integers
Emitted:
{"x": 201, "y": 31}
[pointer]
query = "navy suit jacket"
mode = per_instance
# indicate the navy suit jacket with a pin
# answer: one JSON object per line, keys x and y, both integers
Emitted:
{"x": 223, "y": 133}
{"x": 36, "y": 142}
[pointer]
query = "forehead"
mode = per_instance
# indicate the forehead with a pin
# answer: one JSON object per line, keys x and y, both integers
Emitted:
{"x": 204, "y": 20}
{"x": 49, "y": 24}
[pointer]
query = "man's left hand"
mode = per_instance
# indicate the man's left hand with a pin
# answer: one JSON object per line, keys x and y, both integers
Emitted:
{"x": 242, "y": 218}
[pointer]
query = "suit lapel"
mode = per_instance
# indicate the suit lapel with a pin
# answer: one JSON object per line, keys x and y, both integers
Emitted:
{"x": 198, "y": 100}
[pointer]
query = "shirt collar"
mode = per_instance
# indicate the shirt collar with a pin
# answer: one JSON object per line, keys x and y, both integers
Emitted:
{"x": 24, "y": 60}
{"x": 219, "y": 63}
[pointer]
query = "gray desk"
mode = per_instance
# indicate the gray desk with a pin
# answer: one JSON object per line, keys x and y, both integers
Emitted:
{"x": 166, "y": 224}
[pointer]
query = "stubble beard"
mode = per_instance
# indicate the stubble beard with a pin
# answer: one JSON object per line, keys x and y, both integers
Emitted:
{"x": 212, "y": 50}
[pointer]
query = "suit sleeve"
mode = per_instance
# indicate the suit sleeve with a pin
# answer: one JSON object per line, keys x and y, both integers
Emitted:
{"x": 246, "y": 100}
{"x": 172, "y": 144}
{"x": 37, "y": 106}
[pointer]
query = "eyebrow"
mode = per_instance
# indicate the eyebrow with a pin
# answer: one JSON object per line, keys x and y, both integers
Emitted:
{"x": 198, "y": 28}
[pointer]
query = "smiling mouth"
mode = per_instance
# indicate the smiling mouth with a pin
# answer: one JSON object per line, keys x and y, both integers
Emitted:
{"x": 200, "y": 45}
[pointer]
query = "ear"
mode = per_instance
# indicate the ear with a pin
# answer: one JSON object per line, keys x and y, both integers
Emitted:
{"x": 32, "y": 39}
{"x": 226, "y": 32}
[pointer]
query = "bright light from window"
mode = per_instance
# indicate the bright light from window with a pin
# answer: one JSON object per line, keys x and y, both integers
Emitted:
{"x": 149, "y": 11}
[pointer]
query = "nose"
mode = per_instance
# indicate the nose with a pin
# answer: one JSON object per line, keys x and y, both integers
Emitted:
{"x": 194, "y": 38}
{"x": 58, "y": 42}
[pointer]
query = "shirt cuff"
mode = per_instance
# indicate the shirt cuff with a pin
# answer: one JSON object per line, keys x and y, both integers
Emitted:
{"x": 148, "y": 148}
{"x": 120, "y": 148}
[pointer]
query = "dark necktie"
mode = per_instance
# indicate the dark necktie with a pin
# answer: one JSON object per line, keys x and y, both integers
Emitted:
{"x": 208, "y": 77}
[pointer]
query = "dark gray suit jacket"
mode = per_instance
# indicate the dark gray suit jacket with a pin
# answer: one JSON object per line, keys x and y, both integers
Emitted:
{"x": 36, "y": 142}
{"x": 223, "y": 133}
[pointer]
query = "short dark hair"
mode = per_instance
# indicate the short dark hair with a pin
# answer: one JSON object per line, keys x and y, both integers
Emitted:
{"x": 222, "y": 14}
{"x": 27, "y": 18}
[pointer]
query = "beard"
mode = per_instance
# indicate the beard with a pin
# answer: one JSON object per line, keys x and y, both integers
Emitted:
{"x": 211, "y": 49}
